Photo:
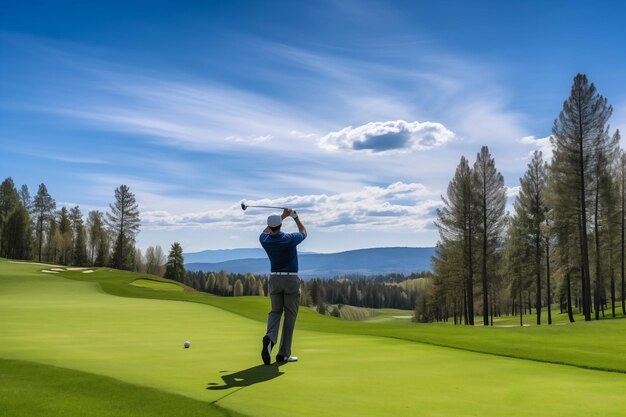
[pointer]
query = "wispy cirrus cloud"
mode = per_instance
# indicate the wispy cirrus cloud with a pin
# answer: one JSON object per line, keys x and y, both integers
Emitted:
{"x": 388, "y": 137}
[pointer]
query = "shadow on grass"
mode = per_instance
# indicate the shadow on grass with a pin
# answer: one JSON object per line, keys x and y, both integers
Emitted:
{"x": 250, "y": 376}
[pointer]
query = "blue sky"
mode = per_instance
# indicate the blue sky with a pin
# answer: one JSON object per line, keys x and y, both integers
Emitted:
{"x": 357, "y": 113}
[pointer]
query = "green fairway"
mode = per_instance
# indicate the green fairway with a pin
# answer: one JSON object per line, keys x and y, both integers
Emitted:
{"x": 345, "y": 368}
{"x": 28, "y": 389}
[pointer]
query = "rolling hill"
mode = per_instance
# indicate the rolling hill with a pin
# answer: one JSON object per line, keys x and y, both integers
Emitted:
{"x": 109, "y": 343}
{"x": 355, "y": 262}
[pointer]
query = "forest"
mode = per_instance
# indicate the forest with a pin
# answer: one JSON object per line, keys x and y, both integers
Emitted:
{"x": 564, "y": 241}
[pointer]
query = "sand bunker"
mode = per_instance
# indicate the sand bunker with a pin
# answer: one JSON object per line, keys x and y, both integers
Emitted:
{"x": 29, "y": 263}
{"x": 89, "y": 271}
{"x": 47, "y": 271}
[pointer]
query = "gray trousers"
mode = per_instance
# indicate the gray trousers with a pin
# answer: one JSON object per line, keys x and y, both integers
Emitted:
{"x": 285, "y": 296}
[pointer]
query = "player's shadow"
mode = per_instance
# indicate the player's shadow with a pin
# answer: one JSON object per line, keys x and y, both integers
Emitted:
{"x": 250, "y": 376}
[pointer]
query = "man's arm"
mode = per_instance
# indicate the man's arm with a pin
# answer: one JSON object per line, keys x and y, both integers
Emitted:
{"x": 301, "y": 227}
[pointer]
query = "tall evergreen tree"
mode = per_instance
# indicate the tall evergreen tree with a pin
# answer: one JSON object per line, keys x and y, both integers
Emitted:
{"x": 65, "y": 229}
{"x": 175, "y": 266}
{"x": 564, "y": 227}
{"x": 79, "y": 256}
{"x": 577, "y": 135}
{"x": 9, "y": 200}
{"x": 457, "y": 224}
{"x": 491, "y": 201}
{"x": 17, "y": 234}
{"x": 531, "y": 209}
{"x": 123, "y": 219}
{"x": 26, "y": 199}
{"x": 43, "y": 207}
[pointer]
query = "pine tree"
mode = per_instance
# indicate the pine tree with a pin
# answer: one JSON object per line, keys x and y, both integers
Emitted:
{"x": 65, "y": 229}
{"x": 530, "y": 207}
{"x": 17, "y": 234}
{"x": 123, "y": 220}
{"x": 577, "y": 135}
{"x": 26, "y": 199}
{"x": 9, "y": 200}
{"x": 79, "y": 256}
{"x": 564, "y": 227}
{"x": 43, "y": 207}
{"x": 175, "y": 266}
{"x": 457, "y": 224}
{"x": 491, "y": 201}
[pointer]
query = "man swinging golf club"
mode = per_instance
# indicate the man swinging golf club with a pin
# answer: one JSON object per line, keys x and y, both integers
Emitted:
{"x": 284, "y": 284}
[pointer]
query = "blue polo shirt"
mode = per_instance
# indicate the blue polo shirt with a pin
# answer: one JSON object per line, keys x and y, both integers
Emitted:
{"x": 281, "y": 249}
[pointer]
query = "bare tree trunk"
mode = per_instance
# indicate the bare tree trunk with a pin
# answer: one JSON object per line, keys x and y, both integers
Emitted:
{"x": 521, "y": 311}
{"x": 597, "y": 293}
{"x": 570, "y": 313}
{"x": 538, "y": 272}
{"x": 622, "y": 235}
{"x": 548, "y": 280}
{"x": 484, "y": 263}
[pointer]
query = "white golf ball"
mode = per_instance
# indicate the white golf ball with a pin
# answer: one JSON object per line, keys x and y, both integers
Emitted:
{"x": 187, "y": 344}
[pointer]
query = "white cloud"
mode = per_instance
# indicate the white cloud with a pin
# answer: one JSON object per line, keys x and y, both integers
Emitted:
{"x": 250, "y": 138}
{"x": 397, "y": 207}
{"x": 301, "y": 135}
{"x": 542, "y": 144}
{"x": 388, "y": 137}
{"x": 512, "y": 191}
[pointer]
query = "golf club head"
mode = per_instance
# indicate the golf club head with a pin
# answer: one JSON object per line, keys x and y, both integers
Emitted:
{"x": 243, "y": 206}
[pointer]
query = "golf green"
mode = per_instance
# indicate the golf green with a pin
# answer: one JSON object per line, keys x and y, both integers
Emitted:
{"x": 77, "y": 325}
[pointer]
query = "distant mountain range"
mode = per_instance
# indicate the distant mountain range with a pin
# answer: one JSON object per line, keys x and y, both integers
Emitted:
{"x": 355, "y": 262}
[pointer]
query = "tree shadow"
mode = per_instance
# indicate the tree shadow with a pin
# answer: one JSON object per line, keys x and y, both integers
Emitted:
{"x": 250, "y": 376}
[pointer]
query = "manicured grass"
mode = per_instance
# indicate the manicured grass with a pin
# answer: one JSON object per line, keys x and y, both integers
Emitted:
{"x": 344, "y": 368}
{"x": 574, "y": 344}
{"x": 157, "y": 285}
{"x": 28, "y": 389}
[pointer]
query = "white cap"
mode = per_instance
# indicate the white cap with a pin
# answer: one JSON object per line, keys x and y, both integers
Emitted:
{"x": 274, "y": 220}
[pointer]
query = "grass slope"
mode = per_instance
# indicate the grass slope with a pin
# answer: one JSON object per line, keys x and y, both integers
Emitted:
{"x": 51, "y": 320}
{"x": 28, "y": 389}
{"x": 575, "y": 344}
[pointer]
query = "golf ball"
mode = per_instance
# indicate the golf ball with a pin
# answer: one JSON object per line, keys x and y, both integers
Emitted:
{"x": 187, "y": 344}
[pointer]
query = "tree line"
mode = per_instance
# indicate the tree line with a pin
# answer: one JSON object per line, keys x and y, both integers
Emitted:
{"x": 33, "y": 228}
{"x": 383, "y": 291}
{"x": 225, "y": 284}
{"x": 563, "y": 243}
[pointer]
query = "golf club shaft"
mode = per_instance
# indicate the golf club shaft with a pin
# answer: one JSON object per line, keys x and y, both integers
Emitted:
{"x": 274, "y": 207}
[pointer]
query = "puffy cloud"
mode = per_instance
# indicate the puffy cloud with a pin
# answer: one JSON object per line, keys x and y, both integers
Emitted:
{"x": 398, "y": 206}
{"x": 542, "y": 144}
{"x": 388, "y": 137}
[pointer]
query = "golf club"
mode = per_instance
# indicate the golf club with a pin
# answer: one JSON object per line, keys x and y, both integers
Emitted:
{"x": 244, "y": 206}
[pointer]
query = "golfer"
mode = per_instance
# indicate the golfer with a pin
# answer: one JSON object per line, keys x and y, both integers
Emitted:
{"x": 284, "y": 285}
